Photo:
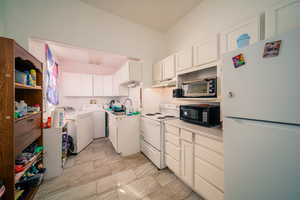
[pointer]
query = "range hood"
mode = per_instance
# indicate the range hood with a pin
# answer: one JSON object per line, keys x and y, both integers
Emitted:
{"x": 131, "y": 84}
{"x": 167, "y": 83}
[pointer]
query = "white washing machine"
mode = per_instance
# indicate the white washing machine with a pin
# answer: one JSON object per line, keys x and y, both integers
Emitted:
{"x": 81, "y": 128}
{"x": 98, "y": 119}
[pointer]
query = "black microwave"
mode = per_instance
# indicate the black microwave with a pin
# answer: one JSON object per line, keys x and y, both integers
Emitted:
{"x": 201, "y": 114}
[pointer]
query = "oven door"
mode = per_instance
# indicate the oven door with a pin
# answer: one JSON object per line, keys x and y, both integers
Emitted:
{"x": 196, "y": 88}
{"x": 190, "y": 114}
{"x": 151, "y": 132}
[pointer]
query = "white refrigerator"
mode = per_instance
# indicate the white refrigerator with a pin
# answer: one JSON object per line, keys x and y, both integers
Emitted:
{"x": 261, "y": 111}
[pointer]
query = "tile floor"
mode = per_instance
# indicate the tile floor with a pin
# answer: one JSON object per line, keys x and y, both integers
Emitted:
{"x": 98, "y": 173}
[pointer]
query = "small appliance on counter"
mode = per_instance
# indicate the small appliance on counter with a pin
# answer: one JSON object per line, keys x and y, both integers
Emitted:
{"x": 201, "y": 114}
{"x": 178, "y": 93}
{"x": 201, "y": 88}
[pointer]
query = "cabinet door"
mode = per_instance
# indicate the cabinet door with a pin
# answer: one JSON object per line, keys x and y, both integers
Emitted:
{"x": 116, "y": 84}
{"x": 157, "y": 73}
{"x": 107, "y": 86}
{"x": 135, "y": 71}
{"x": 113, "y": 131}
{"x": 168, "y": 66}
{"x": 184, "y": 59}
{"x": 77, "y": 84}
{"x": 124, "y": 73}
{"x": 71, "y": 82}
{"x": 282, "y": 17}
{"x": 113, "y": 136}
{"x": 86, "y": 85}
{"x": 206, "y": 52}
{"x": 187, "y": 162}
{"x": 253, "y": 28}
{"x": 98, "y": 85}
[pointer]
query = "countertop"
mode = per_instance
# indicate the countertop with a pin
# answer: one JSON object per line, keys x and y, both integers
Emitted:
{"x": 214, "y": 132}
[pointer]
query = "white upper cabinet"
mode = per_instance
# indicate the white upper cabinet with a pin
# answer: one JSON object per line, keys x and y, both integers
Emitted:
{"x": 283, "y": 17}
{"x": 116, "y": 83}
{"x": 168, "y": 68}
{"x": 243, "y": 34}
{"x": 108, "y": 86}
{"x": 75, "y": 84}
{"x": 131, "y": 71}
{"x": 157, "y": 73}
{"x": 184, "y": 59}
{"x": 206, "y": 52}
{"x": 119, "y": 90}
{"x": 98, "y": 85}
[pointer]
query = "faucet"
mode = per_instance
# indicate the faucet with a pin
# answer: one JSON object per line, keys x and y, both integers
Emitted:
{"x": 126, "y": 100}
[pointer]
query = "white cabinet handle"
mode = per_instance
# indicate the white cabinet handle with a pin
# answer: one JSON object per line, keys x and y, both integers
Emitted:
{"x": 230, "y": 94}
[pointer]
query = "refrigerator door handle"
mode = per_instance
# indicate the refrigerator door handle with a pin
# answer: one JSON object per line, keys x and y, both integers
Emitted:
{"x": 264, "y": 123}
{"x": 230, "y": 94}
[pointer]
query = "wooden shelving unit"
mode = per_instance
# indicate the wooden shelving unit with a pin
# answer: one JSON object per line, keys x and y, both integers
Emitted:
{"x": 27, "y": 87}
{"x": 34, "y": 160}
{"x": 17, "y": 134}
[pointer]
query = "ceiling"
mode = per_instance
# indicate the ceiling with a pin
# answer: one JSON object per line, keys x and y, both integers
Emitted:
{"x": 157, "y": 14}
{"x": 79, "y": 60}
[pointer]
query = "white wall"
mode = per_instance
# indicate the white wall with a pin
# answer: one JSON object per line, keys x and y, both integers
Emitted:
{"x": 209, "y": 18}
{"x": 2, "y": 21}
{"x": 212, "y": 17}
{"x": 78, "y": 24}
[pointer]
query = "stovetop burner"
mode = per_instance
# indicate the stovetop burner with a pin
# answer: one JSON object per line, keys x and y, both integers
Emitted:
{"x": 153, "y": 114}
{"x": 150, "y": 114}
{"x": 169, "y": 116}
{"x": 166, "y": 117}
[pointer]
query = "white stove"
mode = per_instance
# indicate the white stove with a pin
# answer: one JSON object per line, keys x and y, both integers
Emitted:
{"x": 152, "y": 133}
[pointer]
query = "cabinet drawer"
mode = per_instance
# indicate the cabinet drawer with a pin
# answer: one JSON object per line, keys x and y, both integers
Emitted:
{"x": 172, "y": 164}
{"x": 172, "y": 139}
{"x": 208, "y": 191}
{"x": 27, "y": 131}
{"x": 214, "y": 145}
{"x": 186, "y": 135}
{"x": 209, "y": 156}
{"x": 173, "y": 151}
{"x": 172, "y": 129}
{"x": 210, "y": 173}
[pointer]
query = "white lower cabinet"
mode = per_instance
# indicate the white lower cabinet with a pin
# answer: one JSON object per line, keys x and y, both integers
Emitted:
{"x": 187, "y": 162}
{"x": 197, "y": 160}
{"x": 207, "y": 190}
{"x": 124, "y": 134}
{"x": 173, "y": 151}
{"x": 173, "y": 164}
{"x": 210, "y": 173}
{"x": 113, "y": 131}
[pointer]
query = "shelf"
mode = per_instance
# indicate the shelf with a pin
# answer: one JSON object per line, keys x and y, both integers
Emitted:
{"x": 200, "y": 99}
{"x": 26, "y": 116}
{"x": 31, "y": 193}
{"x": 35, "y": 159}
{"x": 27, "y": 87}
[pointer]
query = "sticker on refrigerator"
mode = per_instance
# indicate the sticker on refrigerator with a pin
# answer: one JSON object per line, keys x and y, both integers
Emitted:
{"x": 238, "y": 60}
{"x": 272, "y": 49}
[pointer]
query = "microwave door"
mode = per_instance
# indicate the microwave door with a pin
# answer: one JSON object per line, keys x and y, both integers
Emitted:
{"x": 192, "y": 115}
{"x": 196, "y": 89}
